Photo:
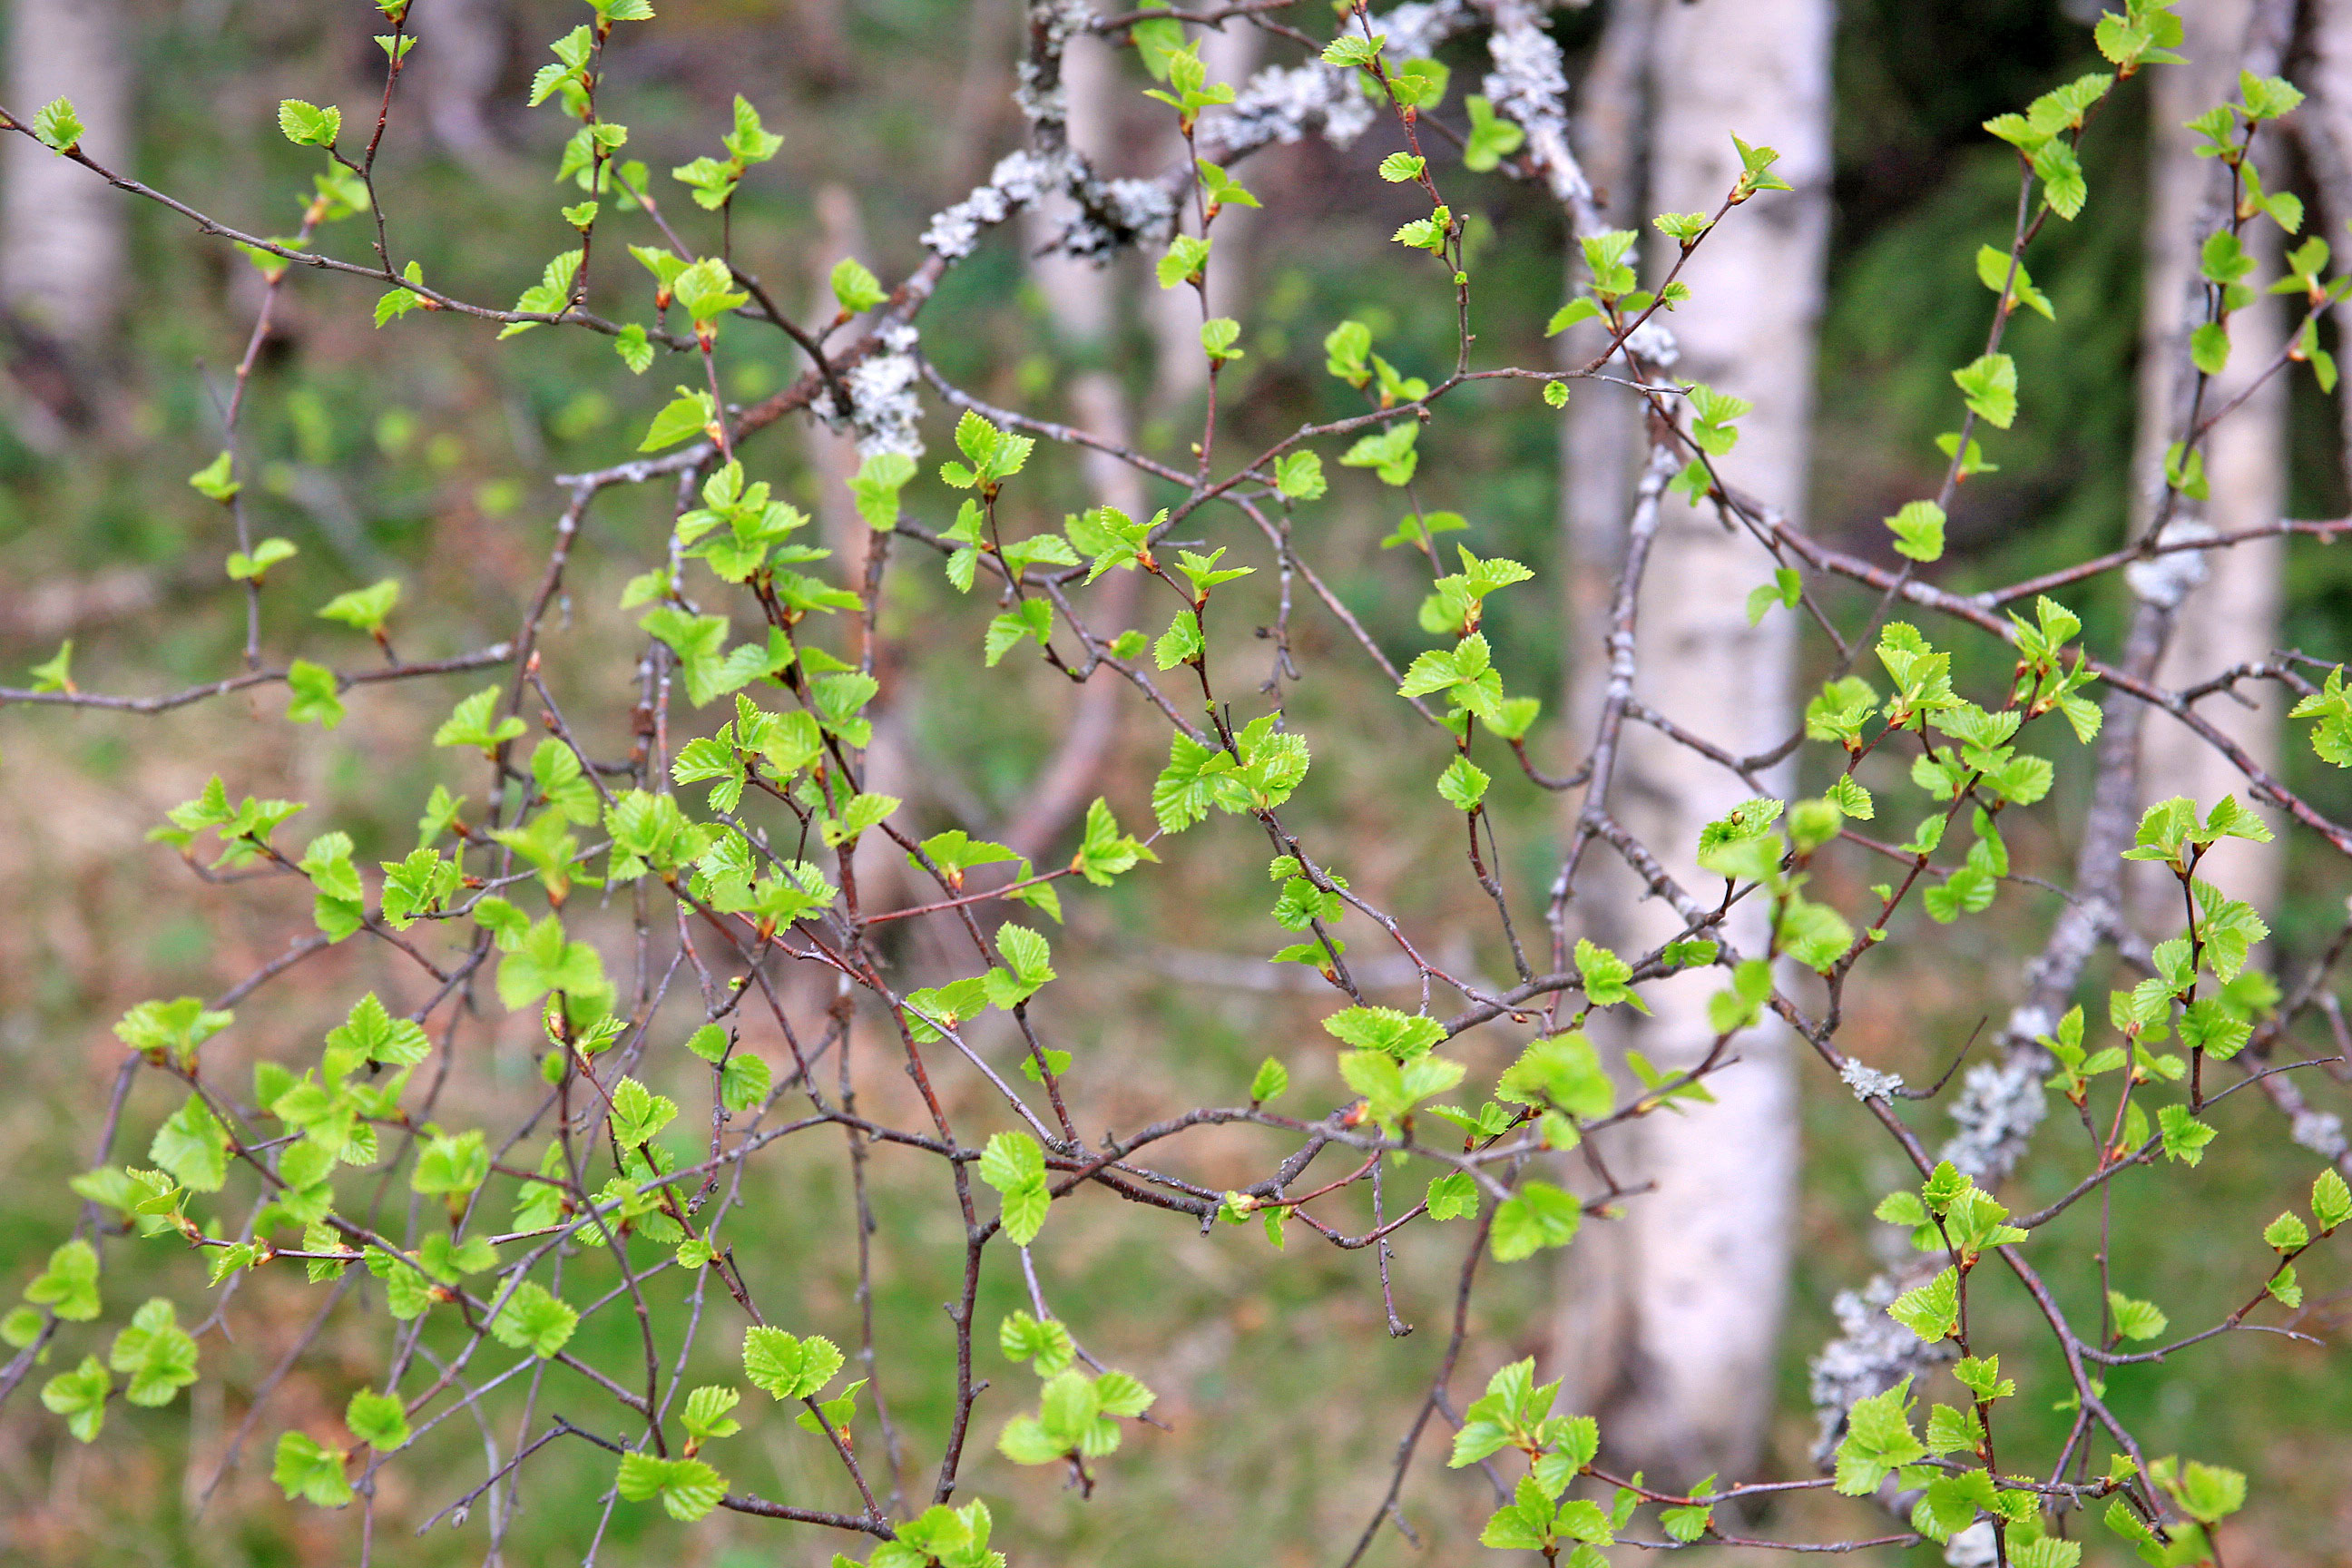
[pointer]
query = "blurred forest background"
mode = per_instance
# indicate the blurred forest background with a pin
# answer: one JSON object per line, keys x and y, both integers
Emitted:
{"x": 424, "y": 452}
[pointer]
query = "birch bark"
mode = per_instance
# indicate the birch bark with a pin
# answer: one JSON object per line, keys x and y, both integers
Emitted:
{"x": 2231, "y": 617}
{"x": 1671, "y": 1324}
{"x": 61, "y": 231}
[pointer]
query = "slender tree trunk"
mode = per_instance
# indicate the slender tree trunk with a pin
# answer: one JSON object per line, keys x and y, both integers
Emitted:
{"x": 821, "y": 56}
{"x": 1085, "y": 304}
{"x": 61, "y": 231}
{"x": 884, "y": 880}
{"x": 2324, "y": 129}
{"x": 833, "y": 453}
{"x": 1601, "y": 430}
{"x": 970, "y": 145}
{"x": 2231, "y": 617}
{"x": 1687, "y": 1315}
{"x": 461, "y": 52}
{"x": 1072, "y": 777}
{"x": 1231, "y": 53}
{"x": 1600, "y": 450}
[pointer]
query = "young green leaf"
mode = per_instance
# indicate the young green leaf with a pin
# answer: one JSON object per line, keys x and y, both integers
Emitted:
{"x": 56, "y": 127}
{"x": 1463, "y": 784}
{"x": 788, "y": 1367}
{"x": 307, "y": 124}
{"x": 687, "y": 1488}
{"x": 1014, "y": 1165}
{"x": 1491, "y": 140}
{"x": 363, "y": 609}
{"x": 377, "y": 1419}
{"x": 80, "y": 1395}
{"x": 1538, "y": 1216}
{"x": 1918, "y": 531}
{"x": 1988, "y": 384}
{"x": 214, "y": 481}
{"x": 308, "y": 1468}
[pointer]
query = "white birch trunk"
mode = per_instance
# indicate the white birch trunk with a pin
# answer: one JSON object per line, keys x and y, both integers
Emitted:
{"x": 60, "y": 229}
{"x": 1602, "y": 426}
{"x": 2325, "y": 128}
{"x": 1687, "y": 1307}
{"x": 2232, "y": 617}
{"x": 1600, "y": 452}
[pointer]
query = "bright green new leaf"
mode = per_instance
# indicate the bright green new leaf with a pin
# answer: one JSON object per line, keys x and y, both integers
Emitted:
{"x": 1988, "y": 384}
{"x": 193, "y": 1146}
{"x": 68, "y": 1286}
{"x": 1538, "y": 1216}
{"x": 363, "y": 609}
{"x": 56, "y": 673}
{"x": 1931, "y": 1311}
{"x": 80, "y": 1395}
{"x": 268, "y": 552}
{"x": 1385, "y": 1029}
{"x": 214, "y": 481}
{"x": 1491, "y": 140}
{"x": 58, "y": 127}
{"x": 1453, "y": 1196}
{"x": 683, "y": 418}
{"x": 471, "y": 723}
{"x": 1918, "y": 531}
{"x": 687, "y": 1488}
{"x": 2287, "y": 1233}
{"x": 1463, "y": 784}
{"x": 308, "y": 125}
{"x": 536, "y": 1319}
{"x": 2135, "y": 1319}
{"x": 2208, "y": 348}
{"x": 855, "y": 288}
{"x": 378, "y": 1420}
{"x": 1878, "y": 1441}
{"x": 1014, "y": 1165}
{"x": 308, "y": 1468}
{"x": 788, "y": 1367}
{"x": 1299, "y": 476}
{"x": 2331, "y": 1200}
